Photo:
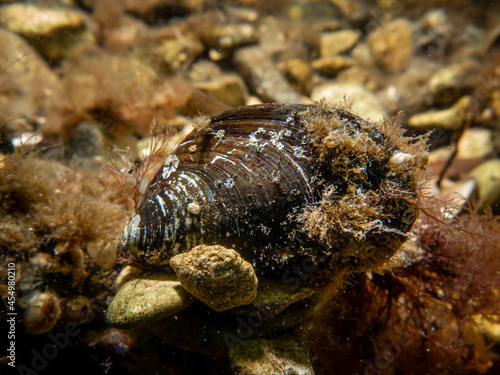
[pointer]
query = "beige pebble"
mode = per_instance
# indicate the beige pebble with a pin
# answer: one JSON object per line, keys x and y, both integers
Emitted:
{"x": 475, "y": 143}
{"x": 217, "y": 276}
{"x": 487, "y": 176}
{"x": 392, "y": 45}
{"x": 228, "y": 88}
{"x": 451, "y": 118}
{"x": 335, "y": 42}
{"x": 331, "y": 65}
{"x": 447, "y": 83}
{"x": 364, "y": 102}
{"x": 32, "y": 20}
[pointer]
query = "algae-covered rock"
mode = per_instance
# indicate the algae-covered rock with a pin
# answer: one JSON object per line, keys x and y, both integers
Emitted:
{"x": 217, "y": 276}
{"x": 147, "y": 299}
{"x": 285, "y": 354}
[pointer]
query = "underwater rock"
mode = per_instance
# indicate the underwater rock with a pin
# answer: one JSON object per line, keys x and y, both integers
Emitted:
{"x": 451, "y": 118}
{"x": 286, "y": 354}
{"x": 217, "y": 276}
{"x": 178, "y": 52}
{"x": 364, "y": 102}
{"x": 230, "y": 36}
{"x": 449, "y": 82}
{"x": 487, "y": 176}
{"x": 392, "y": 45}
{"x": 54, "y": 31}
{"x": 475, "y": 143}
{"x": 147, "y": 299}
{"x": 336, "y": 42}
{"x": 228, "y": 88}
{"x": 262, "y": 75}
{"x": 30, "y": 90}
{"x": 331, "y": 65}
{"x": 299, "y": 74}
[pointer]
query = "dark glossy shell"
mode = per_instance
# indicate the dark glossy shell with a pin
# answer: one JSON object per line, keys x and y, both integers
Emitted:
{"x": 239, "y": 184}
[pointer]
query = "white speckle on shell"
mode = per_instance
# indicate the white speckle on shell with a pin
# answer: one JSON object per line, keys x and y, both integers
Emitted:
{"x": 170, "y": 166}
{"x": 194, "y": 208}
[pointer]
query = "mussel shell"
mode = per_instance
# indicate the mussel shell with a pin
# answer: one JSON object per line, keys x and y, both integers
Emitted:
{"x": 241, "y": 184}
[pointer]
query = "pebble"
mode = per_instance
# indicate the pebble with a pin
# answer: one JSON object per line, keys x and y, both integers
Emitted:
{"x": 54, "y": 31}
{"x": 335, "y": 42}
{"x": 364, "y": 102}
{"x": 262, "y": 76}
{"x": 224, "y": 37}
{"x": 217, "y": 276}
{"x": 447, "y": 83}
{"x": 487, "y": 176}
{"x": 331, "y": 65}
{"x": 30, "y": 20}
{"x": 451, "y": 118}
{"x": 147, "y": 299}
{"x": 179, "y": 51}
{"x": 31, "y": 85}
{"x": 392, "y": 45}
{"x": 300, "y": 75}
{"x": 475, "y": 143}
{"x": 286, "y": 354}
{"x": 228, "y": 88}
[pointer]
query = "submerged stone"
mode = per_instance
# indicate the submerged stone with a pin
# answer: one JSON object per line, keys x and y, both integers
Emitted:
{"x": 148, "y": 299}
{"x": 285, "y": 354}
{"x": 217, "y": 276}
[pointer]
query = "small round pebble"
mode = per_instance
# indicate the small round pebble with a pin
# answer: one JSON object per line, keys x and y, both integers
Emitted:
{"x": 217, "y": 276}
